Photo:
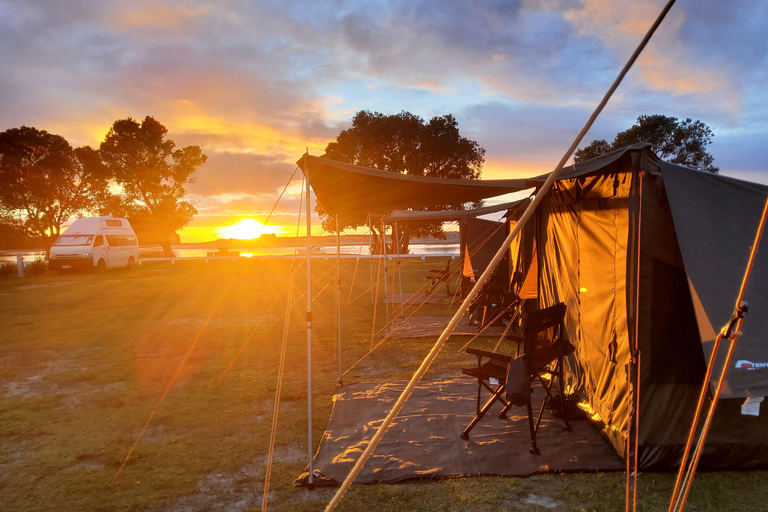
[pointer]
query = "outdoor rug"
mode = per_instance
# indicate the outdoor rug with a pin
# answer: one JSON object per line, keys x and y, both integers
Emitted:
{"x": 433, "y": 326}
{"x": 423, "y": 441}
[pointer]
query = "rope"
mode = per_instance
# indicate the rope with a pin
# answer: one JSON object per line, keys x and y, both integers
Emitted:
{"x": 685, "y": 475}
{"x": 281, "y": 365}
{"x": 278, "y": 391}
{"x": 176, "y": 374}
{"x": 487, "y": 272}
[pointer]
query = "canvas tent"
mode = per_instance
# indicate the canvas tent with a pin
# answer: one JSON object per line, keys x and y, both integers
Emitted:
{"x": 694, "y": 232}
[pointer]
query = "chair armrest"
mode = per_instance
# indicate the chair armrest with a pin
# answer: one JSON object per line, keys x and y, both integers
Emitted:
{"x": 491, "y": 355}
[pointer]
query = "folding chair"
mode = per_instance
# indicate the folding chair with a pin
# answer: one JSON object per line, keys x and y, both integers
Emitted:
{"x": 438, "y": 276}
{"x": 509, "y": 379}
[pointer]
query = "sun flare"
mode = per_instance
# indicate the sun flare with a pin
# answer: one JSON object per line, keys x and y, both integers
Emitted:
{"x": 244, "y": 229}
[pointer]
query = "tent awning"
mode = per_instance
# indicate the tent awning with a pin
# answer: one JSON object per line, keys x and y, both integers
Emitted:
{"x": 347, "y": 188}
{"x": 404, "y": 216}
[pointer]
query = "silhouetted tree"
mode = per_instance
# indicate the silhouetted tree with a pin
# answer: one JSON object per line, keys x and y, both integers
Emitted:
{"x": 680, "y": 142}
{"x": 44, "y": 182}
{"x": 152, "y": 173}
{"x": 406, "y": 144}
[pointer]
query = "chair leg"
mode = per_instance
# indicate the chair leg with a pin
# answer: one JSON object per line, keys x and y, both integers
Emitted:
{"x": 534, "y": 449}
{"x": 495, "y": 396}
{"x": 566, "y": 424}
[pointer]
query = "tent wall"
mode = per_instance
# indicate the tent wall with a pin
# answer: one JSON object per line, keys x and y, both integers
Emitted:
{"x": 583, "y": 230}
{"x": 480, "y": 239}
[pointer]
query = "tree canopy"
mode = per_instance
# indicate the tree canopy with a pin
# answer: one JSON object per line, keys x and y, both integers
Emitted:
{"x": 44, "y": 181}
{"x": 406, "y": 144}
{"x": 153, "y": 174}
{"x": 680, "y": 142}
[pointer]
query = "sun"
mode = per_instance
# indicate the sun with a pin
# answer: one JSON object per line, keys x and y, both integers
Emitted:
{"x": 244, "y": 229}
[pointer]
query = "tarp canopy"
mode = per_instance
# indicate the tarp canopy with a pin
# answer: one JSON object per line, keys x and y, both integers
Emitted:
{"x": 346, "y": 188}
{"x": 405, "y": 216}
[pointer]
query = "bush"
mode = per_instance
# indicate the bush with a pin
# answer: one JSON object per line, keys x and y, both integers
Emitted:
{"x": 8, "y": 269}
{"x": 37, "y": 267}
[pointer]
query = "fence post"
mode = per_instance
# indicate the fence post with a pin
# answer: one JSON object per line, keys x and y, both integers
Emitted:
{"x": 20, "y": 264}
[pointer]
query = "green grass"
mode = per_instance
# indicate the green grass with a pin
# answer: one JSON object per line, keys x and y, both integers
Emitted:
{"x": 84, "y": 359}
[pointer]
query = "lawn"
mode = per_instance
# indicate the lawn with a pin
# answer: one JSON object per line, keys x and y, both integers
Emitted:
{"x": 86, "y": 359}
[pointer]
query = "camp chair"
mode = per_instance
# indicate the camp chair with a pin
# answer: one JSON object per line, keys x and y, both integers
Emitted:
{"x": 509, "y": 379}
{"x": 440, "y": 275}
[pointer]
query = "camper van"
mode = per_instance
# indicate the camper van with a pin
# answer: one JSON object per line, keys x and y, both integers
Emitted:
{"x": 95, "y": 243}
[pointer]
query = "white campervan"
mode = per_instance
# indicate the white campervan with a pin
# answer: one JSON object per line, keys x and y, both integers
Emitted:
{"x": 95, "y": 242}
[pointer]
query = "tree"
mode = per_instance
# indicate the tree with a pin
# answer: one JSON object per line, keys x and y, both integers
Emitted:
{"x": 44, "y": 181}
{"x": 152, "y": 173}
{"x": 406, "y": 144}
{"x": 680, "y": 142}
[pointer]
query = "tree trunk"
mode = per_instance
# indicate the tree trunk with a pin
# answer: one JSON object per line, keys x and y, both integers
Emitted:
{"x": 165, "y": 242}
{"x": 376, "y": 247}
{"x": 404, "y": 237}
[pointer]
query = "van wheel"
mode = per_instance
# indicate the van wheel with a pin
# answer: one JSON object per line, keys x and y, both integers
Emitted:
{"x": 131, "y": 263}
{"x": 101, "y": 266}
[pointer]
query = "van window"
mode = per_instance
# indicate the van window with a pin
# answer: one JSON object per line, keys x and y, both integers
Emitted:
{"x": 74, "y": 240}
{"x": 121, "y": 240}
{"x": 114, "y": 223}
{"x": 99, "y": 241}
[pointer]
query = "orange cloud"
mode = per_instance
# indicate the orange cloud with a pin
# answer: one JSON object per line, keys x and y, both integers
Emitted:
{"x": 140, "y": 14}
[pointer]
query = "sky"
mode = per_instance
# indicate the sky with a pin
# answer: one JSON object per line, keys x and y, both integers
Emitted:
{"x": 257, "y": 83}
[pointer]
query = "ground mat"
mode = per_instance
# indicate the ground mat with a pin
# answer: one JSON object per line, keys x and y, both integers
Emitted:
{"x": 433, "y": 326}
{"x": 423, "y": 441}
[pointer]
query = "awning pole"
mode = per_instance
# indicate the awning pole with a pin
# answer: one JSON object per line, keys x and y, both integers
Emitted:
{"x": 370, "y": 256}
{"x": 386, "y": 268}
{"x": 309, "y": 324}
{"x": 338, "y": 291}
{"x": 399, "y": 271}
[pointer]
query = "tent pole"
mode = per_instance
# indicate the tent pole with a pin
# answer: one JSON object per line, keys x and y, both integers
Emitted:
{"x": 309, "y": 325}
{"x": 399, "y": 272}
{"x": 338, "y": 291}
{"x": 370, "y": 256}
{"x": 386, "y": 267}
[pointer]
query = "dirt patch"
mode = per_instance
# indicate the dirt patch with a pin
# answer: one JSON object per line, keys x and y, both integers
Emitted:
{"x": 235, "y": 491}
{"x": 541, "y": 501}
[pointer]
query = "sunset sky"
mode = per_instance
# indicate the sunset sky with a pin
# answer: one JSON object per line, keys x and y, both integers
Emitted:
{"x": 255, "y": 83}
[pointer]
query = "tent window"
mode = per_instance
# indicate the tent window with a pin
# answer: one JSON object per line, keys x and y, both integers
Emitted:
{"x": 676, "y": 353}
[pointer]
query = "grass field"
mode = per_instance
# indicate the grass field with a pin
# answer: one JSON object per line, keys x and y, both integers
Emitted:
{"x": 85, "y": 358}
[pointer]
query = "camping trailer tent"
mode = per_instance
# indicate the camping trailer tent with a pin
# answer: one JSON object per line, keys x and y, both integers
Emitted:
{"x": 696, "y": 230}
{"x": 681, "y": 274}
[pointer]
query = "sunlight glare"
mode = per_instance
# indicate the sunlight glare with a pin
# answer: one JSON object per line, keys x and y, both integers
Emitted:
{"x": 244, "y": 229}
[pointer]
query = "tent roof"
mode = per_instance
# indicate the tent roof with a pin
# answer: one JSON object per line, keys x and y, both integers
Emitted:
{"x": 404, "y": 216}
{"x": 342, "y": 187}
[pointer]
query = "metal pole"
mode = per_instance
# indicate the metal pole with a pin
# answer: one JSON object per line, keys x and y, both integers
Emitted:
{"x": 399, "y": 272}
{"x": 309, "y": 323}
{"x": 338, "y": 291}
{"x": 386, "y": 268}
{"x": 370, "y": 256}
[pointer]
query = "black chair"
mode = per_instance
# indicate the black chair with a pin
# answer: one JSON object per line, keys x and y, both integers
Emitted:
{"x": 438, "y": 276}
{"x": 509, "y": 379}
